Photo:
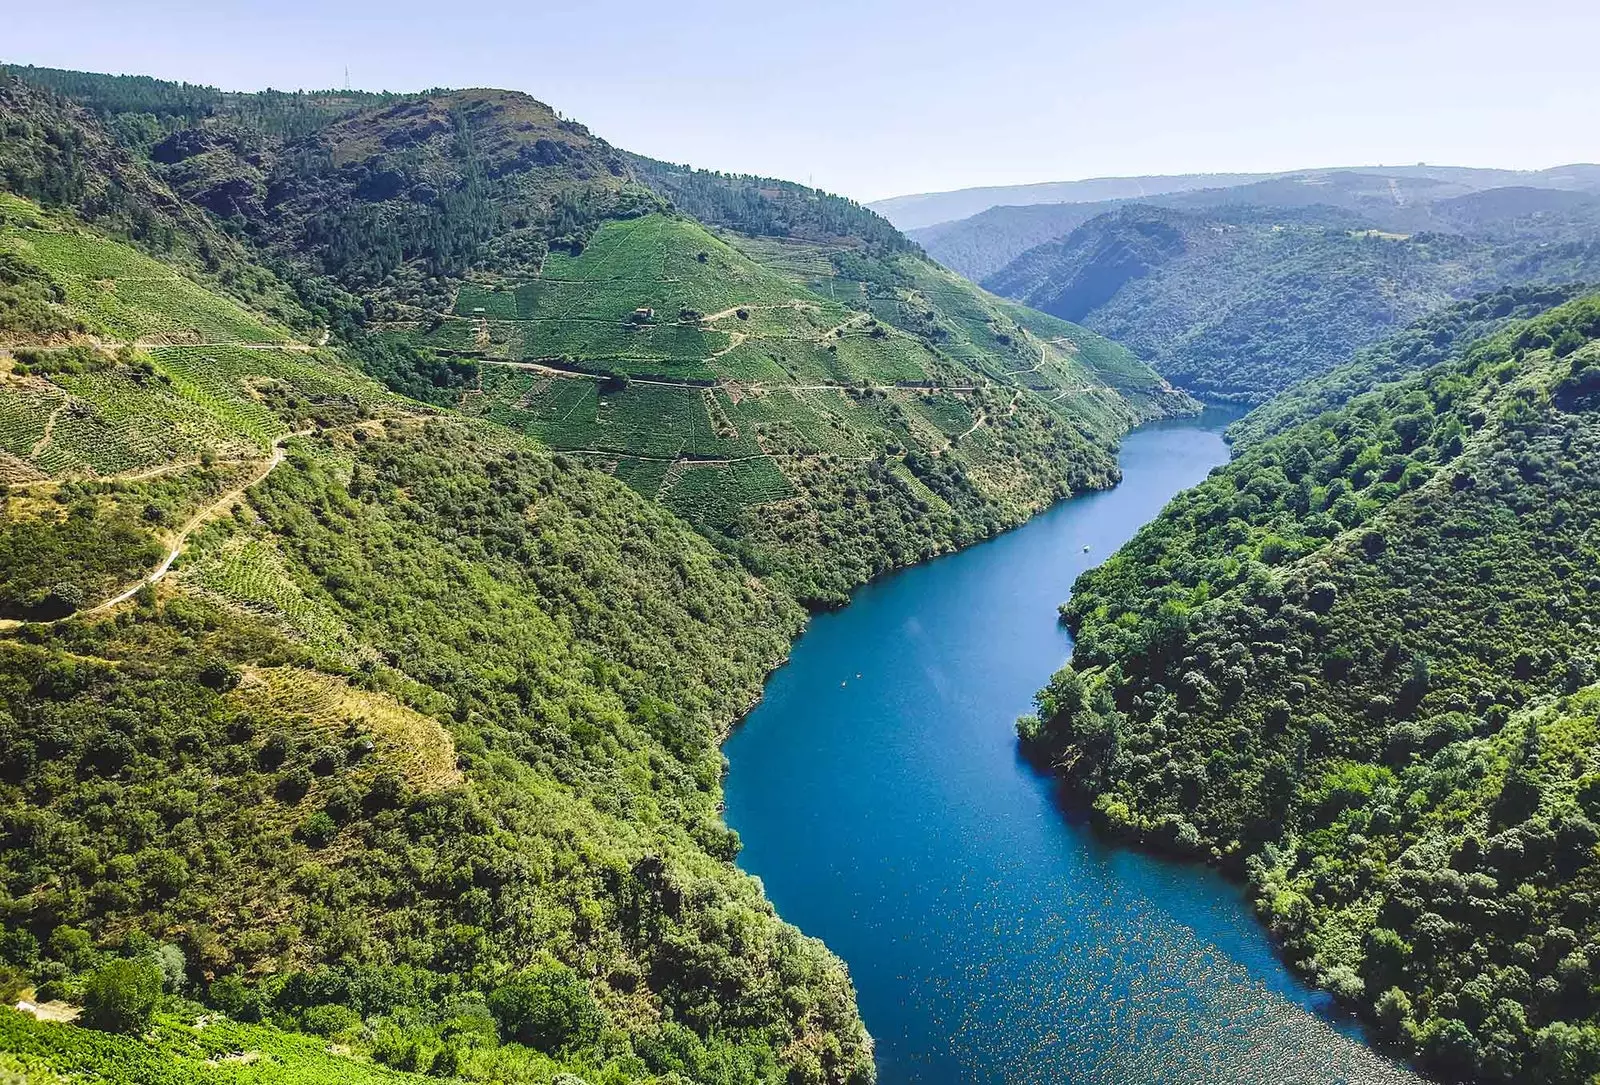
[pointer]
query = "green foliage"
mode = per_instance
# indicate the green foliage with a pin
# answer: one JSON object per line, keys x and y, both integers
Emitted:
{"x": 180, "y": 1051}
{"x": 411, "y": 665}
{"x": 125, "y": 294}
{"x": 122, "y": 996}
{"x": 768, "y": 207}
{"x": 548, "y": 1009}
{"x": 823, "y": 452}
{"x": 136, "y": 101}
{"x": 1353, "y": 665}
{"x": 54, "y": 153}
{"x": 1424, "y": 343}
{"x": 52, "y": 567}
{"x": 30, "y": 302}
{"x": 424, "y": 721}
{"x": 475, "y": 584}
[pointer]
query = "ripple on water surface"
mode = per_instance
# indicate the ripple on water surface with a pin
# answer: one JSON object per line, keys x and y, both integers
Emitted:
{"x": 991, "y": 937}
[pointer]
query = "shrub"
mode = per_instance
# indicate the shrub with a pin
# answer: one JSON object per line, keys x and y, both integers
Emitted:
{"x": 548, "y": 1008}
{"x": 174, "y": 968}
{"x": 318, "y": 829}
{"x": 122, "y": 996}
{"x": 329, "y": 1020}
{"x": 12, "y": 982}
{"x": 294, "y": 784}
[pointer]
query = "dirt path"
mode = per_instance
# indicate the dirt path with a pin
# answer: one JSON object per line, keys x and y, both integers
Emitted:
{"x": 298, "y": 348}
{"x": 49, "y": 428}
{"x": 754, "y": 386}
{"x": 734, "y": 339}
{"x": 691, "y": 461}
{"x": 222, "y": 504}
{"x": 133, "y": 476}
{"x": 837, "y": 328}
{"x": 733, "y": 310}
{"x": 983, "y": 419}
{"x": 970, "y": 430}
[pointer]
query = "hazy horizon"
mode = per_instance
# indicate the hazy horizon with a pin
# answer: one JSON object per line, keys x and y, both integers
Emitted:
{"x": 890, "y": 99}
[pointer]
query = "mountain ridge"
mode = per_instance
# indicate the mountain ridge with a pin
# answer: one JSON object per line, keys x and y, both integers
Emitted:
{"x": 1243, "y": 301}
{"x": 924, "y": 210}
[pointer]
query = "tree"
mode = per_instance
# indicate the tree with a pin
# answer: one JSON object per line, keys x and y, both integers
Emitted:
{"x": 174, "y": 968}
{"x": 548, "y": 1008}
{"x": 122, "y": 996}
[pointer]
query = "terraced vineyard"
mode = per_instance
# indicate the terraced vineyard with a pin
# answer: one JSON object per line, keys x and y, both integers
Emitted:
{"x": 122, "y": 293}
{"x": 206, "y": 378}
{"x": 189, "y": 1048}
{"x": 249, "y": 571}
{"x": 708, "y": 371}
{"x": 171, "y": 404}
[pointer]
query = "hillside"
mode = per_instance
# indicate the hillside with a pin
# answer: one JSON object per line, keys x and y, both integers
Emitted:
{"x": 812, "y": 393}
{"x": 1419, "y": 346}
{"x": 1357, "y": 665}
{"x": 421, "y": 712}
{"x": 982, "y": 244}
{"x": 825, "y": 434}
{"x": 1241, "y": 303}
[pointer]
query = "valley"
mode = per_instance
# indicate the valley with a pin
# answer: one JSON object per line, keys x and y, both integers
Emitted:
{"x": 1240, "y": 292}
{"x": 431, "y": 537}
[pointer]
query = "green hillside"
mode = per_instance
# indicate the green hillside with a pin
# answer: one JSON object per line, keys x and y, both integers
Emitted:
{"x": 825, "y": 428}
{"x": 1425, "y": 343}
{"x": 1242, "y": 302}
{"x": 422, "y": 716}
{"x": 1357, "y": 666}
{"x": 787, "y": 371}
{"x": 403, "y": 497}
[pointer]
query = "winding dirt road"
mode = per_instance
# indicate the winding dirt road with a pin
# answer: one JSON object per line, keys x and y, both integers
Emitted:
{"x": 211, "y": 511}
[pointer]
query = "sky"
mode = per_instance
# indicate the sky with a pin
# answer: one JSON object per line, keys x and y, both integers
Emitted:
{"x": 876, "y": 98}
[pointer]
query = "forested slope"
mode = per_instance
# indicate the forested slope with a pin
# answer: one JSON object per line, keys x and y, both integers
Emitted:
{"x": 1357, "y": 665}
{"x": 1420, "y": 345}
{"x": 414, "y": 748}
{"x": 1242, "y": 302}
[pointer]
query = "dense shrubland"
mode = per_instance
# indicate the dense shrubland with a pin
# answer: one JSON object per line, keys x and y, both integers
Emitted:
{"x": 1357, "y": 666}
{"x": 184, "y": 776}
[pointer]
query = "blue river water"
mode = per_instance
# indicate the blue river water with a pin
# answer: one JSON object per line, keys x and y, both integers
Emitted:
{"x": 991, "y": 936}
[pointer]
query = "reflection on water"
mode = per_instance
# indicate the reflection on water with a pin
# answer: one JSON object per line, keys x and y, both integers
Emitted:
{"x": 991, "y": 936}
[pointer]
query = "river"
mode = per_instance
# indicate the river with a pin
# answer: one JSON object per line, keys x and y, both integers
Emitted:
{"x": 991, "y": 936}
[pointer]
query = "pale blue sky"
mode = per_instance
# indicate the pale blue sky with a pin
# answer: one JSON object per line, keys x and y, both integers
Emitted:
{"x": 875, "y": 99}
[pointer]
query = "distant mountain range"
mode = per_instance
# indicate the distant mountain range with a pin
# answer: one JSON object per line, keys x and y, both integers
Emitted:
{"x": 921, "y": 210}
{"x": 1239, "y": 291}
